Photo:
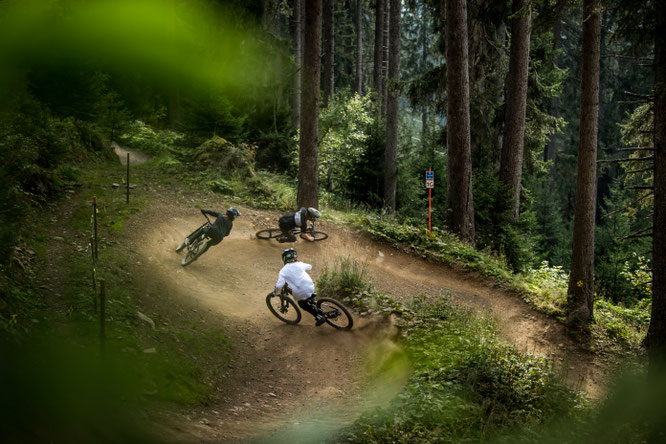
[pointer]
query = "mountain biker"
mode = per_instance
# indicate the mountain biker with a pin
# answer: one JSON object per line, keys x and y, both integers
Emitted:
{"x": 216, "y": 231}
{"x": 298, "y": 219}
{"x": 294, "y": 274}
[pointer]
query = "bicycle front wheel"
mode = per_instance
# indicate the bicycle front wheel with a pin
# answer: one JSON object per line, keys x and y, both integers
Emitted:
{"x": 269, "y": 233}
{"x": 319, "y": 235}
{"x": 335, "y": 314}
{"x": 193, "y": 253}
{"x": 284, "y": 308}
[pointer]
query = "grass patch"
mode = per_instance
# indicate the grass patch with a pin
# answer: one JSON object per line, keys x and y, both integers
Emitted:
{"x": 464, "y": 386}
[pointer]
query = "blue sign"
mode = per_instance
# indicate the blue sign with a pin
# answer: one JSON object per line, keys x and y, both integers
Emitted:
{"x": 430, "y": 174}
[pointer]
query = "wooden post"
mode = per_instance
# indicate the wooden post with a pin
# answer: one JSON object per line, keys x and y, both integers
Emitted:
{"x": 128, "y": 177}
{"x": 102, "y": 313}
{"x": 95, "y": 251}
{"x": 94, "y": 278}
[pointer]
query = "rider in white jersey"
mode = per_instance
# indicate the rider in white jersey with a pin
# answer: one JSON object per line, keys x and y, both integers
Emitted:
{"x": 294, "y": 273}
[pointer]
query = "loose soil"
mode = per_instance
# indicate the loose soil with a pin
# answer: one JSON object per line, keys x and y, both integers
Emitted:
{"x": 305, "y": 380}
{"x": 299, "y": 383}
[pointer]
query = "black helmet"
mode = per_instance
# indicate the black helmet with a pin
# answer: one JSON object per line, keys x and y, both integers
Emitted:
{"x": 232, "y": 213}
{"x": 289, "y": 254}
{"x": 314, "y": 213}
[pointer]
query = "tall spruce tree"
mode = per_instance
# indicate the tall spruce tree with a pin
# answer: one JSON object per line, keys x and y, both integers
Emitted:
{"x": 656, "y": 337}
{"x": 511, "y": 164}
{"x": 580, "y": 292}
{"x": 391, "y": 152}
{"x": 459, "y": 203}
{"x": 308, "y": 158}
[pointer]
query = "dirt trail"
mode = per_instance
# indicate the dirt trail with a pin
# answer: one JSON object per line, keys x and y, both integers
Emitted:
{"x": 289, "y": 374}
{"x": 136, "y": 157}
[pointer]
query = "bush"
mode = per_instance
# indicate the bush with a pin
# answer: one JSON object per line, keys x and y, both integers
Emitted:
{"x": 154, "y": 142}
{"x": 464, "y": 386}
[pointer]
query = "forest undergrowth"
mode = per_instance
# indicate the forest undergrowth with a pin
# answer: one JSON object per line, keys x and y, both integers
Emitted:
{"x": 464, "y": 385}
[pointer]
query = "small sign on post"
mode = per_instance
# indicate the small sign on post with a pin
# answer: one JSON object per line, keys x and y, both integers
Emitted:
{"x": 430, "y": 184}
{"x": 430, "y": 179}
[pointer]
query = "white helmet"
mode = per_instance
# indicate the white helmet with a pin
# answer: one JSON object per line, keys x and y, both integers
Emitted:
{"x": 314, "y": 213}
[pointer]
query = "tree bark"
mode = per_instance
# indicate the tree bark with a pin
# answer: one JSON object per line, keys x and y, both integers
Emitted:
{"x": 459, "y": 203}
{"x": 297, "y": 36}
{"x": 379, "y": 49}
{"x": 307, "y": 169}
{"x": 359, "y": 48}
{"x": 656, "y": 336}
{"x": 391, "y": 153}
{"x": 511, "y": 163}
{"x": 385, "y": 55}
{"x": 328, "y": 27}
{"x": 580, "y": 293}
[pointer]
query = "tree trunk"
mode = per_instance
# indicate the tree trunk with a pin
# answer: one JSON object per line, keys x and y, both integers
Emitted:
{"x": 511, "y": 163}
{"x": 297, "y": 27}
{"x": 379, "y": 49}
{"x": 656, "y": 336}
{"x": 580, "y": 294}
{"x": 391, "y": 153}
{"x": 328, "y": 27}
{"x": 385, "y": 55}
{"x": 307, "y": 168}
{"x": 459, "y": 204}
{"x": 359, "y": 48}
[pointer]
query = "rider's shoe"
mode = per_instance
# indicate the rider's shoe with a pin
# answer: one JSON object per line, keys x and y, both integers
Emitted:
{"x": 320, "y": 320}
{"x": 285, "y": 238}
{"x": 181, "y": 246}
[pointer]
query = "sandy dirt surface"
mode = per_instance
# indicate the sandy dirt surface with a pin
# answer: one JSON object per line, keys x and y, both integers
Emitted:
{"x": 136, "y": 157}
{"x": 301, "y": 381}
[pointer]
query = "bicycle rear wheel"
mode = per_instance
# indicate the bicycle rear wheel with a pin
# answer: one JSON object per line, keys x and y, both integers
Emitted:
{"x": 284, "y": 308}
{"x": 269, "y": 233}
{"x": 335, "y": 314}
{"x": 193, "y": 253}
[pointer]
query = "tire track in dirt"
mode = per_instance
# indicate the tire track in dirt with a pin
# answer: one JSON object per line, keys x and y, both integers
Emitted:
{"x": 289, "y": 375}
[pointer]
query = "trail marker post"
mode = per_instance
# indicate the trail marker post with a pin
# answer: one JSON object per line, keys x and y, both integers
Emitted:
{"x": 128, "y": 183}
{"x": 430, "y": 184}
{"x": 95, "y": 250}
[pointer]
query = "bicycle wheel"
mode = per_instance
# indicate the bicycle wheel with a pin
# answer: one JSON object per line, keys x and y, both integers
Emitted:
{"x": 269, "y": 233}
{"x": 193, "y": 253}
{"x": 319, "y": 235}
{"x": 335, "y": 314}
{"x": 285, "y": 309}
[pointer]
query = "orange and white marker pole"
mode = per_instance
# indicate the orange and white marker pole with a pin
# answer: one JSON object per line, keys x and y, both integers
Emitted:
{"x": 430, "y": 184}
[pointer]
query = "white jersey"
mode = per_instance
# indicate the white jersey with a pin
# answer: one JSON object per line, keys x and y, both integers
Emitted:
{"x": 295, "y": 275}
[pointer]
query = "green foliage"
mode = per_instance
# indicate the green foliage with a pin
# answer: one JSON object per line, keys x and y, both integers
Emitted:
{"x": 496, "y": 225}
{"x": 36, "y": 148}
{"x": 546, "y": 288}
{"x": 346, "y": 278}
{"x": 441, "y": 247}
{"x": 639, "y": 278}
{"x": 463, "y": 386}
{"x": 149, "y": 140}
{"x": 617, "y": 261}
{"x": 617, "y": 327}
{"x": 344, "y": 126}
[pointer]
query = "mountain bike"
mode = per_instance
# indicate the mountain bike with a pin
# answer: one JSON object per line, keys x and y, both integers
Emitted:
{"x": 285, "y": 308}
{"x": 276, "y": 233}
{"x": 195, "y": 243}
